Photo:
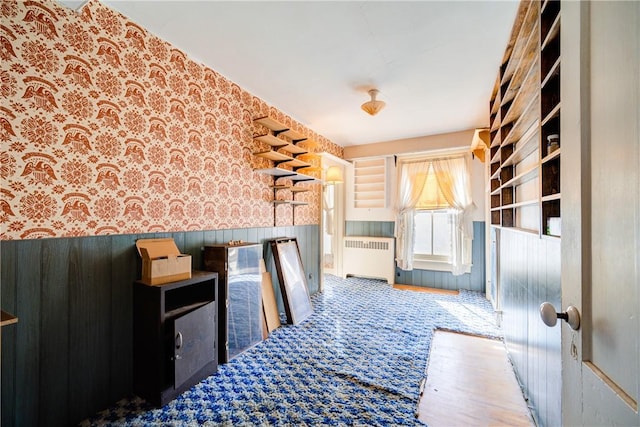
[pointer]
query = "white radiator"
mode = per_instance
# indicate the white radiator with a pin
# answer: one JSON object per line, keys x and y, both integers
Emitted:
{"x": 369, "y": 257}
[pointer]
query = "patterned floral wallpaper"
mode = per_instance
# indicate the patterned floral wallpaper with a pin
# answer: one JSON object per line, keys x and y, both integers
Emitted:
{"x": 107, "y": 129}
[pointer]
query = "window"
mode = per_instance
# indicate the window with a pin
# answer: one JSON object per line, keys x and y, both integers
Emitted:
{"x": 434, "y": 228}
{"x": 433, "y": 242}
{"x": 432, "y": 236}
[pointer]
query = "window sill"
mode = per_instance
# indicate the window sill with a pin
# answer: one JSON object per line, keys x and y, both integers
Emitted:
{"x": 436, "y": 266}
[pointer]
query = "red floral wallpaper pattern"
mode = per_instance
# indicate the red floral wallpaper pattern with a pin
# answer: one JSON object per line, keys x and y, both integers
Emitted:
{"x": 107, "y": 129}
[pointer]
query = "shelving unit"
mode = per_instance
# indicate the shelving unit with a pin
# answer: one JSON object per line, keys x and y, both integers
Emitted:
{"x": 524, "y": 111}
{"x": 550, "y": 60}
{"x": 290, "y": 153}
{"x": 370, "y": 183}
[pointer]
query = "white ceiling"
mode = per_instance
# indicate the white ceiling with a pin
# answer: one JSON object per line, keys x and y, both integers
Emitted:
{"x": 434, "y": 63}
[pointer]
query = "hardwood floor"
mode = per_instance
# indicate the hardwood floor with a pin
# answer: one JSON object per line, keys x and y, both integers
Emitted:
{"x": 425, "y": 289}
{"x": 470, "y": 382}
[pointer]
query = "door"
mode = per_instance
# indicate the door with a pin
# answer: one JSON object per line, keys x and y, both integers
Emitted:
{"x": 195, "y": 342}
{"x": 332, "y": 214}
{"x": 601, "y": 211}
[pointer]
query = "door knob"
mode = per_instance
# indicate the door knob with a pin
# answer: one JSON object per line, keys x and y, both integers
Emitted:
{"x": 550, "y": 316}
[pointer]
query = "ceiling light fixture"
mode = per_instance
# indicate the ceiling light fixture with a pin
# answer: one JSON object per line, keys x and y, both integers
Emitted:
{"x": 374, "y": 106}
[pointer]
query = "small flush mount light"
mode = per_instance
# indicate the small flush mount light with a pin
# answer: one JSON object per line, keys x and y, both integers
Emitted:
{"x": 374, "y": 106}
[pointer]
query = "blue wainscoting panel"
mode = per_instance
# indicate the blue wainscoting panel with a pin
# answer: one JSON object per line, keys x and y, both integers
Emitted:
{"x": 369, "y": 228}
{"x": 474, "y": 281}
{"x": 529, "y": 275}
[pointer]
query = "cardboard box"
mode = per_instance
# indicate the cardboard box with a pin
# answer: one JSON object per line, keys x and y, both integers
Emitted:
{"x": 162, "y": 262}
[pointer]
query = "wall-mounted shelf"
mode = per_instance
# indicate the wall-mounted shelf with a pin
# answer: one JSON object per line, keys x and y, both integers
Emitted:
{"x": 278, "y": 157}
{"x": 271, "y": 124}
{"x": 273, "y": 155}
{"x": 7, "y": 319}
{"x": 280, "y": 144}
{"x": 290, "y": 188}
{"x": 289, "y": 202}
{"x": 285, "y": 152}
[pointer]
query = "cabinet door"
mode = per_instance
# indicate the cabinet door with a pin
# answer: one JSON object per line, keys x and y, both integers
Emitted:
{"x": 195, "y": 337}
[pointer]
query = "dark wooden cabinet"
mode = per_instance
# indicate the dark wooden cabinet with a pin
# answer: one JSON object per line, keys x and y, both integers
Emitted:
{"x": 240, "y": 314}
{"x": 174, "y": 336}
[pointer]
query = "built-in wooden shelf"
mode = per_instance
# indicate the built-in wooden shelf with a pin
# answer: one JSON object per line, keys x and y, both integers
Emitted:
{"x": 524, "y": 111}
{"x": 523, "y": 177}
{"x": 551, "y": 156}
{"x": 553, "y": 32}
{"x": 528, "y": 117}
{"x": 7, "y": 319}
{"x": 521, "y": 204}
{"x": 553, "y": 113}
{"x": 527, "y": 145}
{"x": 551, "y": 197}
{"x": 553, "y": 71}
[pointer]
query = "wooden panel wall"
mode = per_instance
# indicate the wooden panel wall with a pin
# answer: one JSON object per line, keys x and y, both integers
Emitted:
{"x": 529, "y": 276}
{"x": 474, "y": 281}
{"x": 70, "y": 354}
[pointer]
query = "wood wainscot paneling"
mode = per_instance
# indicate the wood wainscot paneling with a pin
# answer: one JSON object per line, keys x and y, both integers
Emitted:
{"x": 530, "y": 275}
{"x": 70, "y": 355}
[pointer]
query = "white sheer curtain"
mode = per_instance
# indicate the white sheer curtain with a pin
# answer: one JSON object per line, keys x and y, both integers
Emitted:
{"x": 411, "y": 179}
{"x": 454, "y": 181}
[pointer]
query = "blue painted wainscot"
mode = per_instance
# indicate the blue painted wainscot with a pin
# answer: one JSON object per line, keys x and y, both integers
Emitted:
{"x": 474, "y": 281}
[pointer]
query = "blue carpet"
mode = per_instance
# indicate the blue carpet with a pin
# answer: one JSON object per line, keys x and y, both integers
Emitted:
{"x": 358, "y": 360}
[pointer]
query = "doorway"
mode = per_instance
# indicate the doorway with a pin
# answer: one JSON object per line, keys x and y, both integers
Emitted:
{"x": 332, "y": 213}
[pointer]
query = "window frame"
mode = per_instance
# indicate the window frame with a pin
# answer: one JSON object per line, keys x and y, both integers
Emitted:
{"x": 434, "y": 262}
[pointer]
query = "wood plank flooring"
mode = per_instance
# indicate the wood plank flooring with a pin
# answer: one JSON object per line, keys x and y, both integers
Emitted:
{"x": 470, "y": 382}
{"x": 425, "y": 289}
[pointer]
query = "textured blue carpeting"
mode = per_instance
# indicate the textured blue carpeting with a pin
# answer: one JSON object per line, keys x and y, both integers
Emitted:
{"x": 358, "y": 360}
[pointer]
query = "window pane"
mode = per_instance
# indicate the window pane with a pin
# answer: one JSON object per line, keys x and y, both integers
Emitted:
{"x": 441, "y": 234}
{"x": 422, "y": 244}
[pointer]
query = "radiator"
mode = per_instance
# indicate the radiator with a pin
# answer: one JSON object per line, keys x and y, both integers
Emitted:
{"x": 369, "y": 257}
